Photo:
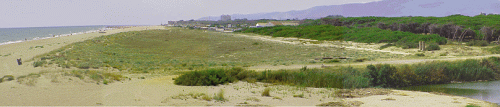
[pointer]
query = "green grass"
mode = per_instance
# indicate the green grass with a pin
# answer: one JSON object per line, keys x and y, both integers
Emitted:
{"x": 179, "y": 49}
{"x": 495, "y": 50}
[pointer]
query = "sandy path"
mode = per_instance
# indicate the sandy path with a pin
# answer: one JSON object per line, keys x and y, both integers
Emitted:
{"x": 10, "y": 52}
{"x": 326, "y": 44}
{"x": 408, "y": 61}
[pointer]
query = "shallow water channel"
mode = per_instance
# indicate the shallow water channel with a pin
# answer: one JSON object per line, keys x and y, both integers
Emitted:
{"x": 486, "y": 91}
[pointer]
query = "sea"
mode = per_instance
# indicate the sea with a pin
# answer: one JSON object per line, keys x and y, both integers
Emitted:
{"x": 17, "y": 35}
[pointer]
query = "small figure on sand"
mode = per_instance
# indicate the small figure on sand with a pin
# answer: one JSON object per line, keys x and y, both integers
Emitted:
{"x": 19, "y": 62}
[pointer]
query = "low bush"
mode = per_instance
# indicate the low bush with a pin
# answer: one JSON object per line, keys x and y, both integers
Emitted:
{"x": 220, "y": 96}
{"x": 386, "y": 46}
{"x": 332, "y": 61}
{"x": 432, "y": 46}
{"x": 419, "y": 54}
{"x": 39, "y": 63}
{"x": 434, "y": 72}
{"x": 495, "y": 50}
{"x": 266, "y": 92}
{"x": 8, "y": 78}
{"x": 477, "y": 43}
{"x": 308, "y": 78}
{"x": 360, "y": 59}
{"x": 209, "y": 77}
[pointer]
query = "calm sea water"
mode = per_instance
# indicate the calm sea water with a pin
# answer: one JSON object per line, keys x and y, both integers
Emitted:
{"x": 15, "y": 35}
{"x": 487, "y": 91}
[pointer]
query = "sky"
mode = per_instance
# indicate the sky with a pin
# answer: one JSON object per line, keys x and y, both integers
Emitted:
{"x": 44, "y": 13}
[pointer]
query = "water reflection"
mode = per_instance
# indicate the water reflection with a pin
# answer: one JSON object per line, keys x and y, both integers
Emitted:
{"x": 487, "y": 91}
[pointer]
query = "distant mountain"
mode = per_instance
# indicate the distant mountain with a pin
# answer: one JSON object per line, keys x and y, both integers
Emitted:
{"x": 386, "y": 8}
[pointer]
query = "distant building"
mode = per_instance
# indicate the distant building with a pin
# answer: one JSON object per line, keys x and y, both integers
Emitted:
{"x": 261, "y": 25}
{"x": 290, "y": 23}
{"x": 225, "y": 18}
{"x": 276, "y": 23}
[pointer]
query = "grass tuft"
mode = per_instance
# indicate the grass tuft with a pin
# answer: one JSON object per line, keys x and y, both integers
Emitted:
{"x": 266, "y": 92}
{"x": 220, "y": 96}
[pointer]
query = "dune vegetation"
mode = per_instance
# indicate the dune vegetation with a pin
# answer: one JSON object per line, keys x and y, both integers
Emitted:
{"x": 364, "y": 35}
{"x": 182, "y": 49}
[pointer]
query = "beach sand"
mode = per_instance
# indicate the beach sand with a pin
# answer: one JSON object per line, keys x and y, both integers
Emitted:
{"x": 52, "y": 89}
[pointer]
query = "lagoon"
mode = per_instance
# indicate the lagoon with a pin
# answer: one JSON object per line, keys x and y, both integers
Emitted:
{"x": 487, "y": 91}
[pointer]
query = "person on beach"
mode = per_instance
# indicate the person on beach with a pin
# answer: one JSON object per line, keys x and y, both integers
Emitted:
{"x": 19, "y": 62}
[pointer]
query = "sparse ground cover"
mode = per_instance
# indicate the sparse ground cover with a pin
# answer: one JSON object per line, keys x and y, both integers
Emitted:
{"x": 183, "y": 49}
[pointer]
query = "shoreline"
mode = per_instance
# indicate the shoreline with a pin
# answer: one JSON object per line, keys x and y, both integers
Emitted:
{"x": 56, "y": 36}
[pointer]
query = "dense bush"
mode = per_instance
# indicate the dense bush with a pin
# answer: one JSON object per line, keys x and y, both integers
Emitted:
{"x": 308, "y": 78}
{"x": 432, "y": 46}
{"x": 377, "y": 35}
{"x": 454, "y": 27}
{"x": 477, "y": 43}
{"x": 318, "y": 32}
{"x": 344, "y": 78}
{"x": 209, "y": 77}
{"x": 434, "y": 72}
{"x": 365, "y": 35}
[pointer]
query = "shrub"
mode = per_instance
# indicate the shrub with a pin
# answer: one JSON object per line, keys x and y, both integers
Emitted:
{"x": 206, "y": 98}
{"x": 8, "y": 77}
{"x": 443, "y": 54}
{"x": 434, "y": 72}
{"x": 477, "y": 43}
{"x": 360, "y": 59}
{"x": 308, "y": 78}
{"x": 386, "y": 46}
{"x": 332, "y": 61}
{"x": 381, "y": 74}
{"x": 432, "y": 46}
{"x": 299, "y": 95}
{"x": 220, "y": 96}
{"x": 83, "y": 65}
{"x": 419, "y": 54}
{"x": 495, "y": 50}
{"x": 39, "y": 63}
{"x": 266, "y": 92}
{"x": 207, "y": 77}
{"x": 353, "y": 78}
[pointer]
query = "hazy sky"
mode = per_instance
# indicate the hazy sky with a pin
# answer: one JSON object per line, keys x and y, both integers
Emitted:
{"x": 38, "y": 13}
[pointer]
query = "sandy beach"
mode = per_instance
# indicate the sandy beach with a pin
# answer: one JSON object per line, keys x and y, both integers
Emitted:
{"x": 53, "y": 89}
